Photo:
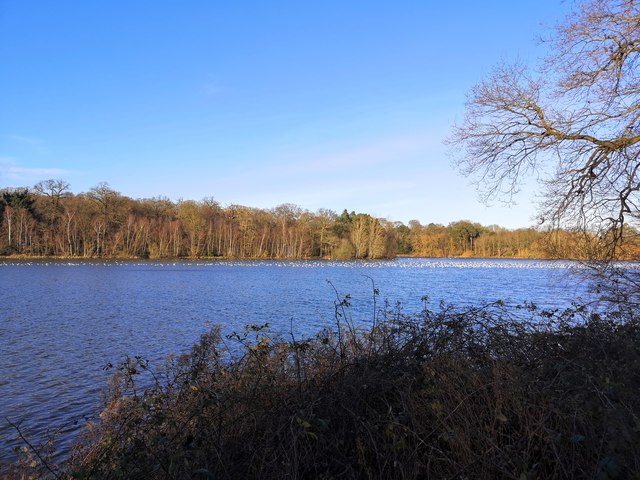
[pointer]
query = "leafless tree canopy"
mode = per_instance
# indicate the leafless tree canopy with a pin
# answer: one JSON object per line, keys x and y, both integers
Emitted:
{"x": 574, "y": 123}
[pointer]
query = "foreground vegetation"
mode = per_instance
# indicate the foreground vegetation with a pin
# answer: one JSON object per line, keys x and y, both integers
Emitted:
{"x": 478, "y": 393}
{"x": 48, "y": 220}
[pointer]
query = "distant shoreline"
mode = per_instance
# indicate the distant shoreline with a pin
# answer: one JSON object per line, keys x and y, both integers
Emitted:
{"x": 227, "y": 258}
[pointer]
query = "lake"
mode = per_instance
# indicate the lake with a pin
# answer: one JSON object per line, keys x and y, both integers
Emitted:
{"x": 61, "y": 322}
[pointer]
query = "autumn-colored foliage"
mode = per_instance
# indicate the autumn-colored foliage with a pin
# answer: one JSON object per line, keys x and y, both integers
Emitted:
{"x": 50, "y": 221}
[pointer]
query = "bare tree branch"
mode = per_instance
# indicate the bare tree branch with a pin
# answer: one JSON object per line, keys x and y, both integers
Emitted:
{"x": 575, "y": 124}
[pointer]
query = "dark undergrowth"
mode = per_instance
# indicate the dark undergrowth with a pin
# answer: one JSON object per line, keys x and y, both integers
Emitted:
{"x": 479, "y": 393}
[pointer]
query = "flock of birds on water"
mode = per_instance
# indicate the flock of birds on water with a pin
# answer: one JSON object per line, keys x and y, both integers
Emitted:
{"x": 409, "y": 263}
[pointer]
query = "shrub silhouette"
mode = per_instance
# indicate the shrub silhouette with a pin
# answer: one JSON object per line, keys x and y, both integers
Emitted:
{"x": 456, "y": 393}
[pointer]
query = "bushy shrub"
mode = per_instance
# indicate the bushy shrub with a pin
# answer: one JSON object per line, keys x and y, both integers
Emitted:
{"x": 475, "y": 393}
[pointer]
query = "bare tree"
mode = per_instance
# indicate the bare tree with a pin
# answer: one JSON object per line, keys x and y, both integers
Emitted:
{"x": 54, "y": 189}
{"x": 574, "y": 124}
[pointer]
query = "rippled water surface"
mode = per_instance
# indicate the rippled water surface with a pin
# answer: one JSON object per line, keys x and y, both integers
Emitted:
{"x": 61, "y": 322}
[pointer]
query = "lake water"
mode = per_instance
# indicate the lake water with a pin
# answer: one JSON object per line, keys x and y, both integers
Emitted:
{"x": 62, "y": 322}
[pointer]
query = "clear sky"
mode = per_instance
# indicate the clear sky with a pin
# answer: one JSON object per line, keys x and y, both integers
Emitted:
{"x": 332, "y": 104}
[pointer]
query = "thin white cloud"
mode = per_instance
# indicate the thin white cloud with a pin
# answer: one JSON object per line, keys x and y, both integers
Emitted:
{"x": 371, "y": 154}
{"x": 33, "y": 145}
{"x": 12, "y": 173}
{"x": 338, "y": 177}
{"x": 341, "y": 191}
{"x": 391, "y": 151}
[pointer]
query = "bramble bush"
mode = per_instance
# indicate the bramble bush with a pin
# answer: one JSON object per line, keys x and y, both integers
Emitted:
{"x": 485, "y": 392}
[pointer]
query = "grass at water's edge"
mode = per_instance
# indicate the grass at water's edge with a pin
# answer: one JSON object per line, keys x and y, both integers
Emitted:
{"x": 475, "y": 393}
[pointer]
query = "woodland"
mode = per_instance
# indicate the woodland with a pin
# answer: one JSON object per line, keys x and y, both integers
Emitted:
{"x": 48, "y": 220}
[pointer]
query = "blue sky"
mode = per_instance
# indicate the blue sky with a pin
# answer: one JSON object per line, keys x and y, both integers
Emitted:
{"x": 333, "y": 104}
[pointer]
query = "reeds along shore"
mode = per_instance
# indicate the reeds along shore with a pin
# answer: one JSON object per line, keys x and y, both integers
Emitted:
{"x": 477, "y": 393}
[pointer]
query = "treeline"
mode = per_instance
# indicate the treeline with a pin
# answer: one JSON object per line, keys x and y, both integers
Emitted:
{"x": 49, "y": 220}
{"x": 467, "y": 239}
